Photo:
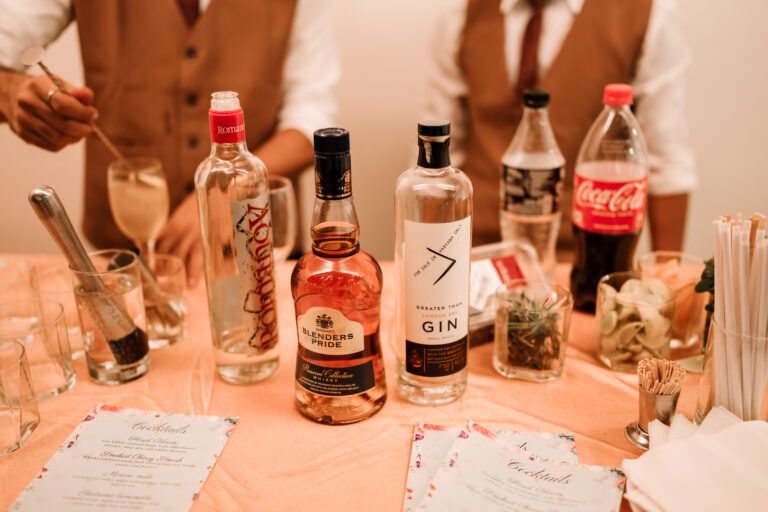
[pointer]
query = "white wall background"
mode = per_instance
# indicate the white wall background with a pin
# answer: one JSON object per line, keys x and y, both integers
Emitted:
{"x": 383, "y": 46}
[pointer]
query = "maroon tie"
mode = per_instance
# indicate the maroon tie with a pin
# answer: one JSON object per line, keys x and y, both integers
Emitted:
{"x": 530, "y": 48}
{"x": 190, "y": 9}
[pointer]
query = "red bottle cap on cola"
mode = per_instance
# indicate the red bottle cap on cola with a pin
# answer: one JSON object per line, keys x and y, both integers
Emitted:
{"x": 617, "y": 94}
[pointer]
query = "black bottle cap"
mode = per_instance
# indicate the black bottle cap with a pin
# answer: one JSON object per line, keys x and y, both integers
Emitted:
{"x": 535, "y": 98}
{"x": 331, "y": 141}
{"x": 434, "y": 128}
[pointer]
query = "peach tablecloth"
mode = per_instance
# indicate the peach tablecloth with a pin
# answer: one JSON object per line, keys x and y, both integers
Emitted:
{"x": 278, "y": 460}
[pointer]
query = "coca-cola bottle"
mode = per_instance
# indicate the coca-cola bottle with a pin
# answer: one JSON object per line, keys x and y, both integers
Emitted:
{"x": 609, "y": 195}
{"x": 531, "y": 173}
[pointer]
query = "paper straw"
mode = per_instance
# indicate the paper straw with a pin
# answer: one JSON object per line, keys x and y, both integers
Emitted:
{"x": 732, "y": 344}
{"x": 761, "y": 332}
{"x": 720, "y": 367}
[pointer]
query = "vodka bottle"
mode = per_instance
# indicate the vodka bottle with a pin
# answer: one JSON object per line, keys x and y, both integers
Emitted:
{"x": 531, "y": 177}
{"x": 337, "y": 294}
{"x": 233, "y": 200}
{"x": 433, "y": 234}
{"x": 610, "y": 191}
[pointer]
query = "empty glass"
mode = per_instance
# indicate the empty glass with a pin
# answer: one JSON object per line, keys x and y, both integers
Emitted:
{"x": 17, "y": 280}
{"x": 19, "y": 414}
{"x": 166, "y": 305}
{"x": 54, "y": 283}
{"x": 40, "y": 327}
{"x": 282, "y": 203}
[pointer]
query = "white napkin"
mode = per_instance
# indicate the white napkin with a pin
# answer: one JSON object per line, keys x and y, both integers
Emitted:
{"x": 726, "y": 470}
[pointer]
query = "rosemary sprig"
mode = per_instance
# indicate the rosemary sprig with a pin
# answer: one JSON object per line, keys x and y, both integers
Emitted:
{"x": 533, "y": 336}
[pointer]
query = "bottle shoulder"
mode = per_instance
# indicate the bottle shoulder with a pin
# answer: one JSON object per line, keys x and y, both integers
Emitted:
{"x": 359, "y": 265}
{"x": 421, "y": 178}
{"x": 236, "y": 163}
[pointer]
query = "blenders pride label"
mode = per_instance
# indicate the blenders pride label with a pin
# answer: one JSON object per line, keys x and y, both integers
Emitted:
{"x": 611, "y": 208}
{"x": 252, "y": 226}
{"x": 531, "y": 191}
{"x": 327, "y": 332}
{"x": 436, "y": 266}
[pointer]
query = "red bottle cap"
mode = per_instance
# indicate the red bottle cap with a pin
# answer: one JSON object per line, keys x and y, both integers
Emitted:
{"x": 617, "y": 94}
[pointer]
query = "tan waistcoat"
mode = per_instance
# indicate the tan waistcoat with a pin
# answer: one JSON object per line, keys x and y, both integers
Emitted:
{"x": 152, "y": 77}
{"x": 603, "y": 46}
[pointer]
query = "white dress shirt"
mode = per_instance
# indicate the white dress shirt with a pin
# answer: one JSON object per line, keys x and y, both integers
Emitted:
{"x": 658, "y": 85}
{"x": 310, "y": 73}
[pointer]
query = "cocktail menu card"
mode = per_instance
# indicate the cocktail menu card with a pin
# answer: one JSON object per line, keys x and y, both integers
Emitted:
{"x": 473, "y": 468}
{"x": 127, "y": 459}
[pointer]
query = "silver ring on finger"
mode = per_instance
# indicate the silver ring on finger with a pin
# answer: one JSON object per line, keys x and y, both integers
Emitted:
{"x": 49, "y": 98}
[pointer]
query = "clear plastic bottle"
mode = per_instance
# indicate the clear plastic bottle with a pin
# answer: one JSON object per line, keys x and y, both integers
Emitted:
{"x": 610, "y": 192}
{"x": 236, "y": 228}
{"x": 532, "y": 169}
{"x": 433, "y": 239}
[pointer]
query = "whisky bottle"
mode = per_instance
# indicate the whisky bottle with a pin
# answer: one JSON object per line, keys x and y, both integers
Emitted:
{"x": 433, "y": 239}
{"x": 236, "y": 228}
{"x": 337, "y": 294}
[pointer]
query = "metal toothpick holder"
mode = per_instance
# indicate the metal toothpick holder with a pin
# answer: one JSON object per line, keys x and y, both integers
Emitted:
{"x": 652, "y": 407}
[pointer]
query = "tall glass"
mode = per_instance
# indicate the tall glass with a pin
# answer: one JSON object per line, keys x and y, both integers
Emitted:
{"x": 139, "y": 201}
{"x": 40, "y": 327}
{"x": 113, "y": 356}
{"x": 282, "y": 201}
{"x": 680, "y": 272}
{"x": 19, "y": 415}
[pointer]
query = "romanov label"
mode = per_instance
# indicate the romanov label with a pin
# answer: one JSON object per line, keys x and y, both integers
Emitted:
{"x": 252, "y": 239}
{"x": 350, "y": 380}
{"x": 611, "y": 208}
{"x": 531, "y": 191}
{"x": 436, "y": 267}
{"x": 328, "y": 332}
{"x": 227, "y": 127}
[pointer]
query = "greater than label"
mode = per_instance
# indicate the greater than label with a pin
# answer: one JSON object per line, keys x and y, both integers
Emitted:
{"x": 327, "y": 331}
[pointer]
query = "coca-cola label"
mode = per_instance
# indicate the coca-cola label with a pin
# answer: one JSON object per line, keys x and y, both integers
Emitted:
{"x": 609, "y": 208}
{"x": 531, "y": 191}
{"x": 252, "y": 224}
{"x": 227, "y": 127}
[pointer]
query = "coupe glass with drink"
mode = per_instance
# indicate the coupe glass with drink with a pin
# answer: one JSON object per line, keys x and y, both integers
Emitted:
{"x": 138, "y": 198}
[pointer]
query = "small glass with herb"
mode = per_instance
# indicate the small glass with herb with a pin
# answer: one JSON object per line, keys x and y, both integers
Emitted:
{"x": 532, "y": 321}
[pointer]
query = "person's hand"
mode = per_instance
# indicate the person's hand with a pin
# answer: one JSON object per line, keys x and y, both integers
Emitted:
{"x": 41, "y": 115}
{"x": 181, "y": 236}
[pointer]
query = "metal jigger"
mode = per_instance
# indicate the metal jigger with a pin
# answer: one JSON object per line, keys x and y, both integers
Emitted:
{"x": 652, "y": 407}
{"x": 34, "y": 57}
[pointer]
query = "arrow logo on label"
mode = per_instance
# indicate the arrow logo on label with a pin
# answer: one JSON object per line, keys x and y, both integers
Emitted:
{"x": 453, "y": 262}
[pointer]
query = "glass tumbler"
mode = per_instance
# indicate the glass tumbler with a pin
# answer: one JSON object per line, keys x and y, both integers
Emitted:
{"x": 112, "y": 317}
{"x": 166, "y": 305}
{"x": 531, "y": 333}
{"x": 634, "y": 318}
{"x": 680, "y": 272}
{"x": 40, "y": 327}
{"x": 19, "y": 415}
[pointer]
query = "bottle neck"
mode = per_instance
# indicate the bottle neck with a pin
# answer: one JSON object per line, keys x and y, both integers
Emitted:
{"x": 228, "y": 150}
{"x": 434, "y": 152}
{"x": 335, "y": 230}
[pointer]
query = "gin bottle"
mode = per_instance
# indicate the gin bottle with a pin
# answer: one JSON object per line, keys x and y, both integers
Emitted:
{"x": 433, "y": 235}
{"x": 233, "y": 201}
{"x": 337, "y": 294}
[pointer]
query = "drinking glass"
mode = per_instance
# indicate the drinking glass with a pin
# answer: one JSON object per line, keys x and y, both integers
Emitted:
{"x": 634, "y": 319}
{"x": 680, "y": 272}
{"x": 19, "y": 414}
{"x": 282, "y": 203}
{"x": 17, "y": 280}
{"x": 139, "y": 201}
{"x": 166, "y": 306}
{"x": 114, "y": 352}
{"x": 532, "y": 324}
{"x": 735, "y": 375}
{"x": 40, "y": 327}
{"x": 54, "y": 283}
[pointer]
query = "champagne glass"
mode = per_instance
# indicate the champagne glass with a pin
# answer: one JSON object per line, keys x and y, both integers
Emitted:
{"x": 138, "y": 198}
{"x": 282, "y": 201}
